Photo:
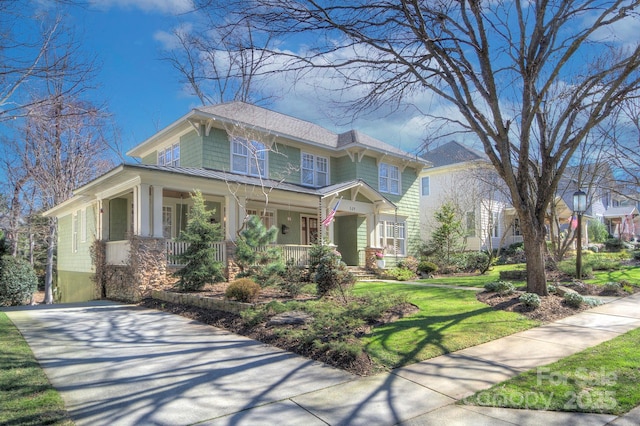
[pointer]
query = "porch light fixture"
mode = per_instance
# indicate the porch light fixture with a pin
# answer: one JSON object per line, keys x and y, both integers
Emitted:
{"x": 579, "y": 207}
{"x": 284, "y": 229}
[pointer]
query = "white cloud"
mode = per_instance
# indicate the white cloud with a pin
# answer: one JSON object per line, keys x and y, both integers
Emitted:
{"x": 160, "y": 6}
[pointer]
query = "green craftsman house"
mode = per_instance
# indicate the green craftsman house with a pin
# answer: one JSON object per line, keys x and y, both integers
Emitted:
{"x": 117, "y": 233}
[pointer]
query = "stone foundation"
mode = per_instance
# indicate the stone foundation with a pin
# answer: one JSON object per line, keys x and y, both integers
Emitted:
{"x": 201, "y": 302}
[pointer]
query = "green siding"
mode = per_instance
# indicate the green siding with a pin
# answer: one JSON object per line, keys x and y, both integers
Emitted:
{"x": 79, "y": 260}
{"x": 342, "y": 169}
{"x": 74, "y": 286}
{"x": 217, "y": 210}
{"x": 191, "y": 147}
{"x": 293, "y": 235}
{"x": 216, "y": 151}
{"x": 284, "y": 163}
{"x": 151, "y": 159}
{"x": 367, "y": 170}
{"x": 117, "y": 219}
{"x": 409, "y": 205}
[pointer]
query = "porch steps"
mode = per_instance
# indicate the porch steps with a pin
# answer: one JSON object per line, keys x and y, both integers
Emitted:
{"x": 361, "y": 273}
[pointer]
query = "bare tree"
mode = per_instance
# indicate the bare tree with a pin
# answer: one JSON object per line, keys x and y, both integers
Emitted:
{"x": 26, "y": 38}
{"x": 530, "y": 80}
{"x": 219, "y": 60}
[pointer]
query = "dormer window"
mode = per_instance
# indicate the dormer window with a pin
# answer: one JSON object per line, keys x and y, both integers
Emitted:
{"x": 248, "y": 157}
{"x": 315, "y": 170}
{"x": 389, "y": 178}
{"x": 169, "y": 156}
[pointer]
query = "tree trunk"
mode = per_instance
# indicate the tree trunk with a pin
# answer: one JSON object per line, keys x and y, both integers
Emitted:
{"x": 48, "y": 279}
{"x": 534, "y": 249}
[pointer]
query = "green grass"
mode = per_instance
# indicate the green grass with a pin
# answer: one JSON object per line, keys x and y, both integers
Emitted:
{"x": 448, "y": 320}
{"x": 601, "y": 379}
{"x": 626, "y": 273}
{"x": 27, "y": 397}
{"x": 474, "y": 280}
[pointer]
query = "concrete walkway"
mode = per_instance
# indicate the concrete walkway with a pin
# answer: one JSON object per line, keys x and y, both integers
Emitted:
{"x": 120, "y": 364}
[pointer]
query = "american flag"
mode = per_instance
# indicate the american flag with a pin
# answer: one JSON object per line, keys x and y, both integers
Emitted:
{"x": 573, "y": 223}
{"x": 327, "y": 220}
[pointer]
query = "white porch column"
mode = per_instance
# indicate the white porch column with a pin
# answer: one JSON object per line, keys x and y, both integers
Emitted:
{"x": 231, "y": 217}
{"x": 157, "y": 212}
{"x": 372, "y": 240}
{"x": 141, "y": 205}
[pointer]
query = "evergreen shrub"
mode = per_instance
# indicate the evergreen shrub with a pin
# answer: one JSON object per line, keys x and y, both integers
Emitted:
{"x": 18, "y": 281}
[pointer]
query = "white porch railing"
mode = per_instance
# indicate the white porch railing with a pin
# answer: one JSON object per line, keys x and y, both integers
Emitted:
{"x": 178, "y": 247}
{"x": 117, "y": 252}
{"x": 299, "y": 254}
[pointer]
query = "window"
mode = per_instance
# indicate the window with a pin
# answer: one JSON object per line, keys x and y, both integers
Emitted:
{"x": 516, "y": 227}
{"x": 83, "y": 226}
{"x": 494, "y": 224}
{"x": 167, "y": 222}
{"x": 425, "y": 186}
{"x": 315, "y": 170}
{"x": 74, "y": 232}
{"x": 471, "y": 223}
{"x": 169, "y": 156}
{"x": 392, "y": 237}
{"x": 388, "y": 178}
{"x": 248, "y": 158}
{"x": 267, "y": 217}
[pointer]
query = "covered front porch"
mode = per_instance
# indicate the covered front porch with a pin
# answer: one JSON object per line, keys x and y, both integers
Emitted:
{"x": 147, "y": 202}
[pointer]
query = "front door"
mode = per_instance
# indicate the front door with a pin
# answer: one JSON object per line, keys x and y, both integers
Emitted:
{"x": 309, "y": 232}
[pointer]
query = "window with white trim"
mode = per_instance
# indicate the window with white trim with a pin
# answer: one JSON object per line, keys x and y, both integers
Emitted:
{"x": 167, "y": 222}
{"x": 267, "y": 217}
{"x": 425, "y": 186}
{"x": 169, "y": 156}
{"x": 494, "y": 218}
{"x": 83, "y": 225}
{"x": 516, "y": 227}
{"x": 74, "y": 231}
{"x": 248, "y": 157}
{"x": 389, "y": 178}
{"x": 315, "y": 170}
{"x": 392, "y": 237}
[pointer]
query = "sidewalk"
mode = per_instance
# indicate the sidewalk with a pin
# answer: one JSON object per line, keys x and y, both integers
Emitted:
{"x": 118, "y": 364}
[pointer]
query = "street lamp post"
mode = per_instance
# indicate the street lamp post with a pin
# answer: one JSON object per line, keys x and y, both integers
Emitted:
{"x": 579, "y": 207}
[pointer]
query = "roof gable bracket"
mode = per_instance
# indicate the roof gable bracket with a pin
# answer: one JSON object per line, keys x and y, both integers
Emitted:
{"x": 354, "y": 192}
{"x": 356, "y": 153}
{"x": 209, "y": 126}
{"x": 380, "y": 159}
{"x": 196, "y": 125}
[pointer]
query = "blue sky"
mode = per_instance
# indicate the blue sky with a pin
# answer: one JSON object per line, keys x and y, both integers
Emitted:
{"x": 145, "y": 94}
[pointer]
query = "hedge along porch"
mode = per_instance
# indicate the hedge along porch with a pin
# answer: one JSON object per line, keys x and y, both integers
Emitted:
{"x": 135, "y": 213}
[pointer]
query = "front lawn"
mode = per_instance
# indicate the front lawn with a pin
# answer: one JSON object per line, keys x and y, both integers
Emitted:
{"x": 474, "y": 280}
{"x": 624, "y": 273}
{"x": 448, "y": 320}
{"x": 27, "y": 397}
{"x": 601, "y": 379}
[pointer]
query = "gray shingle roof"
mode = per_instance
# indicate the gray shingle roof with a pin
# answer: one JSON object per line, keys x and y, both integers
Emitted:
{"x": 274, "y": 122}
{"x": 452, "y": 153}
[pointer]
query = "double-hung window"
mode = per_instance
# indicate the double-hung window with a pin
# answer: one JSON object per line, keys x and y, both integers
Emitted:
{"x": 248, "y": 157}
{"x": 426, "y": 190}
{"x": 389, "y": 178}
{"x": 169, "y": 156}
{"x": 266, "y": 216}
{"x": 315, "y": 170}
{"x": 392, "y": 237}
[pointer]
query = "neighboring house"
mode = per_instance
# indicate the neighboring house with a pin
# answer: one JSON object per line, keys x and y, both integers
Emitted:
{"x": 463, "y": 177}
{"x": 246, "y": 160}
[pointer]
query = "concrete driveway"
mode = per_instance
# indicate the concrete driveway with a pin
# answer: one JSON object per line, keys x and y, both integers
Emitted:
{"x": 122, "y": 365}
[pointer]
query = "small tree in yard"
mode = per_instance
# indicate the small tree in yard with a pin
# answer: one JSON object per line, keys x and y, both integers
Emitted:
{"x": 200, "y": 266}
{"x": 254, "y": 255}
{"x": 446, "y": 238}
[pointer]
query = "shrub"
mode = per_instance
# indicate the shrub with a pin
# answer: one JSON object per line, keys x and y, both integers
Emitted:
{"x": 612, "y": 287}
{"x": 503, "y": 288}
{"x": 636, "y": 254}
{"x": 426, "y": 267}
{"x": 530, "y": 300}
{"x": 614, "y": 245}
{"x": 401, "y": 274}
{"x": 293, "y": 280}
{"x": 18, "y": 281}
{"x": 568, "y": 267}
{"x": 410, "y": 263}
{"x": 573, "y": 299}
{"x": 243, "y": 290}
{"x": 597, "y": 231}
{"x": 552, "y": 288}
{"x": 331, "y": 272}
